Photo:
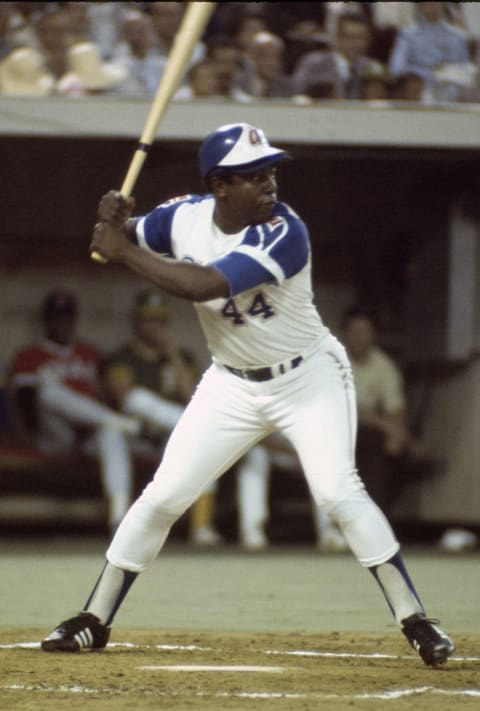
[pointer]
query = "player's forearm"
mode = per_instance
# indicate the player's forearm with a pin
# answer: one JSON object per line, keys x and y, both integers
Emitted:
{"x": 181, "y": 279}
{"x": 185, "y": 280}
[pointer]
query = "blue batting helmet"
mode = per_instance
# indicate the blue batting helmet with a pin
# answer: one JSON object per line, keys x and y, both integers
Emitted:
{"x": 239, "y": 148}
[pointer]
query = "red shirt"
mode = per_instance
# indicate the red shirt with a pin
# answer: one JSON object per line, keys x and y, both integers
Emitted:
{"x": 77, "y": 365}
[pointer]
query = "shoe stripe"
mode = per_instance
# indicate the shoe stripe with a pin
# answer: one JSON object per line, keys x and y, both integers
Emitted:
{"x": 84, "y": 638}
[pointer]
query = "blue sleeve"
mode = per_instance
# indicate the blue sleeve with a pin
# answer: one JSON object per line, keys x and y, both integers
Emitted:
{"x": 292, "y": 251}
{"x": 242, "y": 272}
{"x": 156, "y": 227}
{"x": 273, "y": 251}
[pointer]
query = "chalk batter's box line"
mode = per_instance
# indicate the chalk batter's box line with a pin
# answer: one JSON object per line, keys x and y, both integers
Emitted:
{"x": 389, "y": 695}
{"x": 292, "y": 653}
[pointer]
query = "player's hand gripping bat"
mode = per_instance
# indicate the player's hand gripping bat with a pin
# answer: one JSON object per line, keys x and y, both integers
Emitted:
{"x": 191, "y": 29}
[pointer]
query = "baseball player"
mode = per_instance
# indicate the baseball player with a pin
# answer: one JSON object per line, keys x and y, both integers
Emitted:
{"x": 253, "y": 483}
{"x": 56, "y": 386}
{"x": 243, "y": 258}
{"x": 151, "y": 378}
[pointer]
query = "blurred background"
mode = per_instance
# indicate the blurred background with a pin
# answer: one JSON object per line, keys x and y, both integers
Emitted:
{"x": 388, "y": 185}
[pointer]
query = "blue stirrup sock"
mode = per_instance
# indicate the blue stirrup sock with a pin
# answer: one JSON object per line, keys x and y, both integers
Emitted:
{"x": 397, "y": 587}
{"x": 109, "y": 592}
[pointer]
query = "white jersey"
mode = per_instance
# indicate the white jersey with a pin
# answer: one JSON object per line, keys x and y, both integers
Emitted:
{"x": 269, "y": 316}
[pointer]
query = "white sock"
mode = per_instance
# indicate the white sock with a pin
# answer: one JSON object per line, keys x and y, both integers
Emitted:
{"x": 397, "y": 587}
{"x": 109, "y": 591}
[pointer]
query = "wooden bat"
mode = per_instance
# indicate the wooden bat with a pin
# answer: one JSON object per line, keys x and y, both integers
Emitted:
{"x": 191, "y": 29}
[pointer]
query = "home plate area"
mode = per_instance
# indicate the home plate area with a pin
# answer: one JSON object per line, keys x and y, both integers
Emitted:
{"x": 148, "y": 669}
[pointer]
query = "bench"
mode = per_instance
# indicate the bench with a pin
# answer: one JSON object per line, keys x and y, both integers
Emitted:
{"x": 50, "y": 489}
{"x": 42, "y": 492}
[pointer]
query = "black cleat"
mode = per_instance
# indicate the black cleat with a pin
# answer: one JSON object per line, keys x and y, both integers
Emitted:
{"x": 424, "y": 635}
{"x": 85, "y": 631}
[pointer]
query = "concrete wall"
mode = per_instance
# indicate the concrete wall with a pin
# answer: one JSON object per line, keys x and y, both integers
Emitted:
{"x": 452, "y": 430}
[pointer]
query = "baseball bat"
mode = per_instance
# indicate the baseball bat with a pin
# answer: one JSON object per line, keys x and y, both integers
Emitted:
{"x": 191, "y": 29}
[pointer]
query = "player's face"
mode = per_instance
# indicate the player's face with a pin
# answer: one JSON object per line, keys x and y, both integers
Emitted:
{"x": 249, "y": 198}
{"x": 359, "y": 337}
{"x": 151, "y": 331}
{"x": 60, "y": 329}
{"x": 353, "y": 40}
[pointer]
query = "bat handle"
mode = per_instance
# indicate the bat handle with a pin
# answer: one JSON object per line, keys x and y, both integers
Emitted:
{"x": 97, "y": 257}
{"x": 127, "y": 187}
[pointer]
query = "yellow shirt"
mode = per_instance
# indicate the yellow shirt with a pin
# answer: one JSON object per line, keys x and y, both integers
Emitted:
{"x": 378, "y": 383}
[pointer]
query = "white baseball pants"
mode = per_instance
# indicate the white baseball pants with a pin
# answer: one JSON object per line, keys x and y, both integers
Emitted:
{"x": 61, "y": 409}
{"x": 312, "y": 405}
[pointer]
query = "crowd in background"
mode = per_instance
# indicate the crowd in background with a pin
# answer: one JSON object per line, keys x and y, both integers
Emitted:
{"x": 427, "y": 52}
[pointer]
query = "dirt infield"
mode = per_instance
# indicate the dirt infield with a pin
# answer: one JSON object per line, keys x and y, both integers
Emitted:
{"x": 224, "y": 630}
{"x": 210, "y": 672}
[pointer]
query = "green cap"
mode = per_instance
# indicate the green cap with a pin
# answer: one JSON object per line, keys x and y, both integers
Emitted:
{"x": 151, "y": 303}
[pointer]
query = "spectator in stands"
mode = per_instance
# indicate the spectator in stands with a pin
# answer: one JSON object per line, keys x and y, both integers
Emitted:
{"x": 88, "y": 74}
{"x": 151, "y": 378}
{"x": 106, "y": 23}
{"x": 56, "y": 396}
{"x": 166, "y": 19}
{"x": 78, "y": 20}
{"x": 226, "y": 57}
{"x": 470, "y": 22}
{"x": 375, "y": 86}
{"x": 24, "y": 73}
{"x": 264, "y": 74}
{"x": 302, "y": 18}
{"x": 395, "y": 15}
{"x": 137, "y": 54}
{"x": 201, "y": 83}
{"x": 302, "y": 37}
{"x": 387, "y": 451}
{"x": 436, "y": 50}
{"x": 388, "y": 18}
{"x": 408, "y": 87}
{"x": 250, "y": 23}
{"x": 76, "y": 65}
{"x": 18, "y": 19}
{"x": 52, "y": 35}
{"x": 343, "y": 67}
{"x": 6, "y": 30}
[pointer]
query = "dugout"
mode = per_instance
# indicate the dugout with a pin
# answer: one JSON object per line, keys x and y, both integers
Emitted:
{"x": 391, "y": 196}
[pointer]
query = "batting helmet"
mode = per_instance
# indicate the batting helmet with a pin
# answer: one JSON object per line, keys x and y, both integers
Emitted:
{"x": 239, "y": 148}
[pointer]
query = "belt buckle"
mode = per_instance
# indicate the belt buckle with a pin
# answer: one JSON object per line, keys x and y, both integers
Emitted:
{"x": 266, "y": 372}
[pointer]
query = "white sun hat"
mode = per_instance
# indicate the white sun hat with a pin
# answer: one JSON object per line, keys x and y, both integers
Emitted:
{"x": 85, "y": 63}
{"x": 23, "y": 73}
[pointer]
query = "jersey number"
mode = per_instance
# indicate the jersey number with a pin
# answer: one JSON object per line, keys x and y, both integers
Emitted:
{"x": 258, "y": 307}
